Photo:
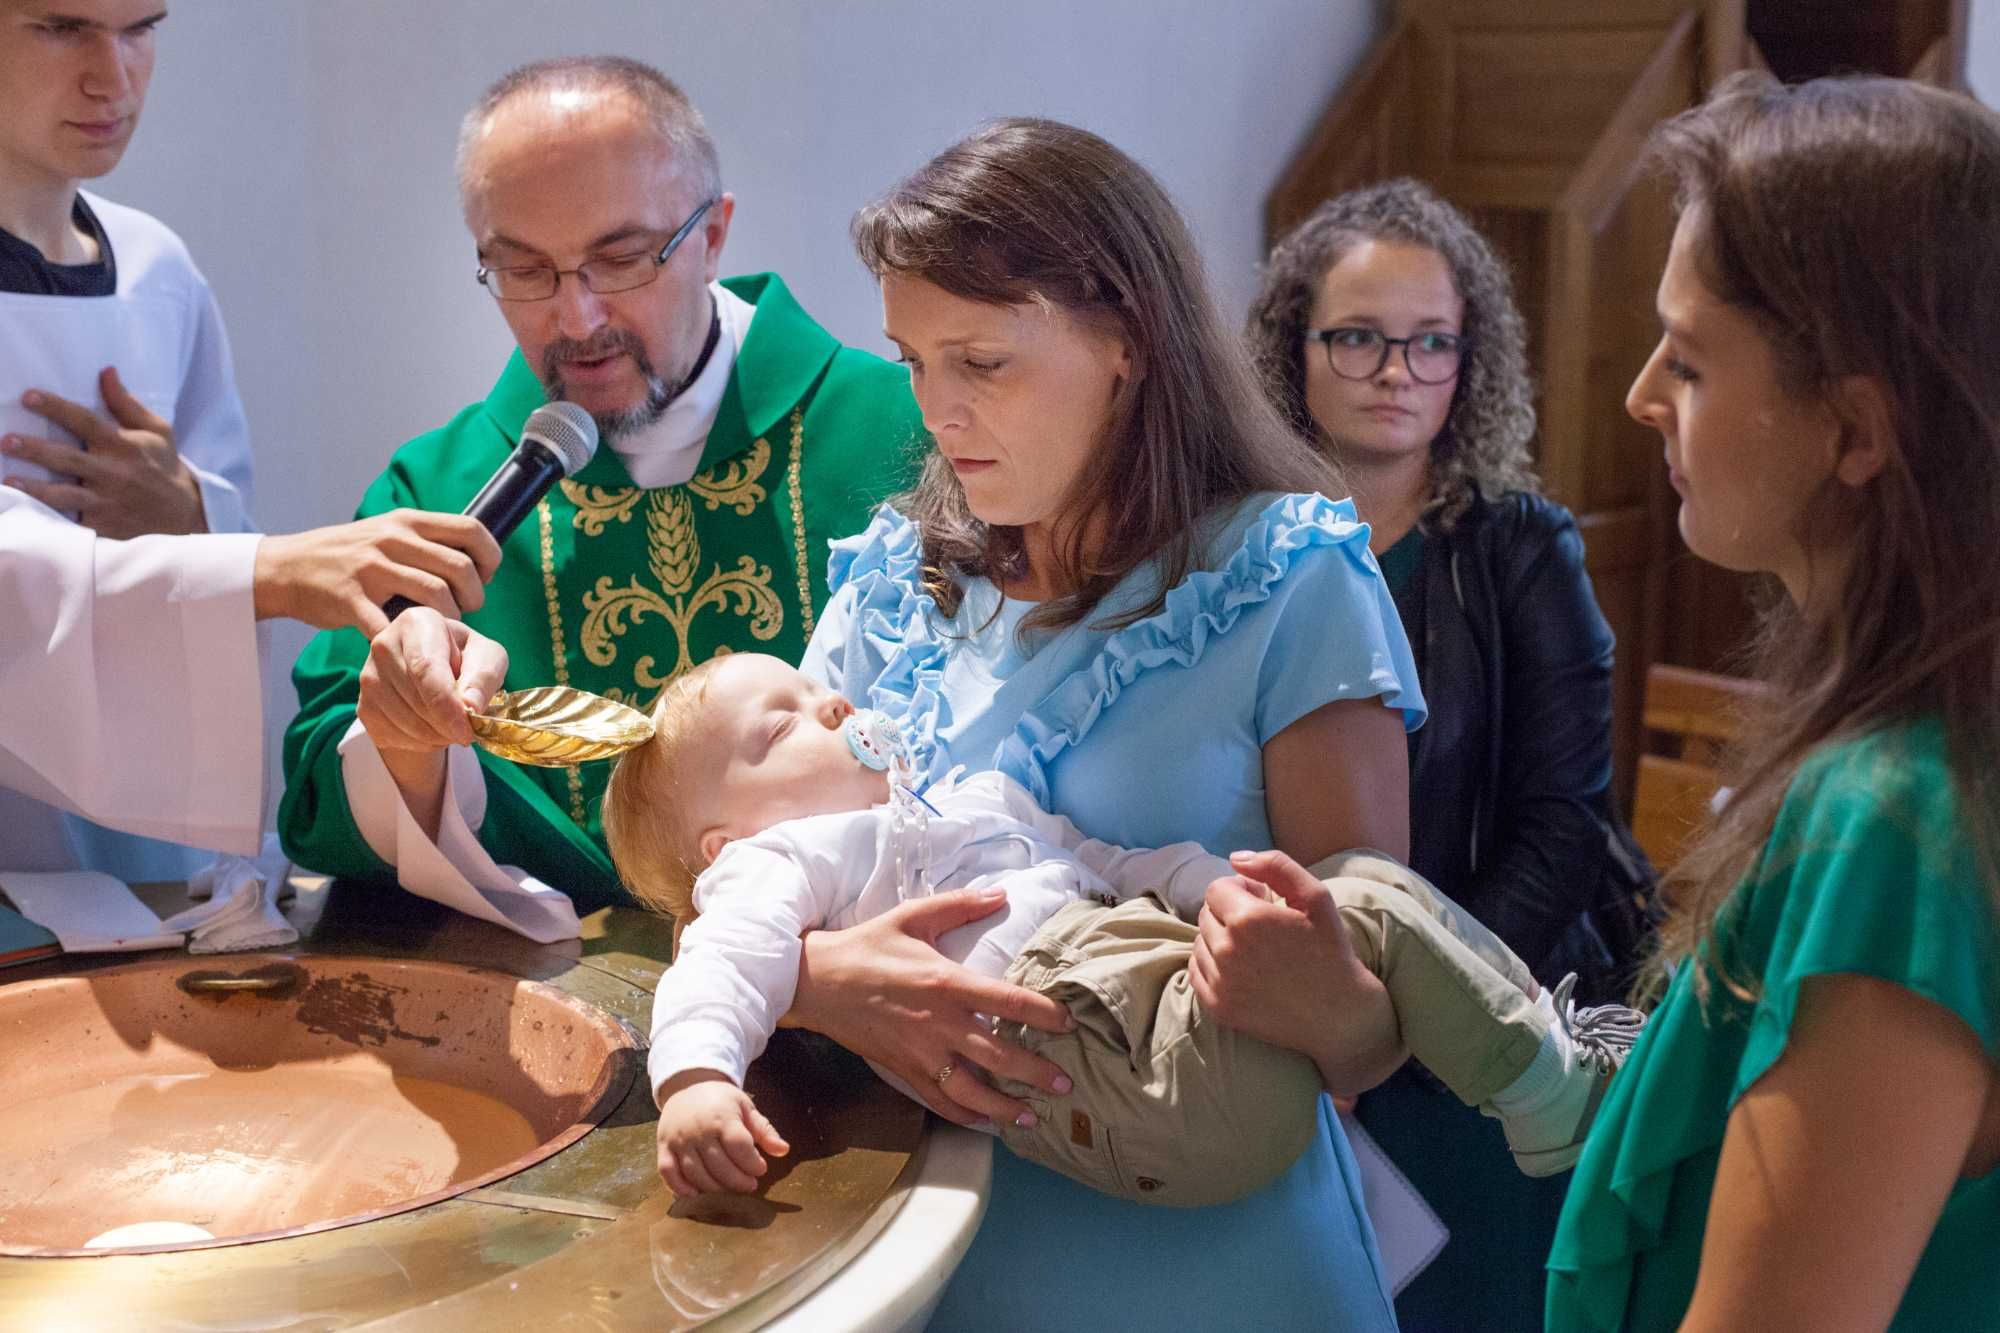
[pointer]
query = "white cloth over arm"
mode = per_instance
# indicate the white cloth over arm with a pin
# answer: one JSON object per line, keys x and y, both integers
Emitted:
{"x": 209, "y": 427}
{"x": 129, "y": 676}
{"x": 454, "y": 868}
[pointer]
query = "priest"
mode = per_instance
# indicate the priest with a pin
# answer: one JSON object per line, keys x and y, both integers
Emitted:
{"x": 741, "y": 438}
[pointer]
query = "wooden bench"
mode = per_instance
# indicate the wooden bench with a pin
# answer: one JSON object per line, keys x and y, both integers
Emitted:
{"x": 1690, "y": 719}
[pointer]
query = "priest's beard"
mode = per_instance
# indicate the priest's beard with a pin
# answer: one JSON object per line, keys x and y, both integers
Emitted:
{"x": 612, "y": 427}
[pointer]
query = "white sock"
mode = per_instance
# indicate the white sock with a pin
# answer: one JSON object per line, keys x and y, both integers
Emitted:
{"x": 1542, "y": 1111}
{"x": 1547, "y": 1074}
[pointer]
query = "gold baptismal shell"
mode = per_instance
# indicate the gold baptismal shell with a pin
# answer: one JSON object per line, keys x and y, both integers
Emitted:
{"x": 555, "y": 726}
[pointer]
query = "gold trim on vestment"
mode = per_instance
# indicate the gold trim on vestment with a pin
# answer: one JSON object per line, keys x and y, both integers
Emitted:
{"x": 556, "y": 646}
{"x": 794, "y": 477}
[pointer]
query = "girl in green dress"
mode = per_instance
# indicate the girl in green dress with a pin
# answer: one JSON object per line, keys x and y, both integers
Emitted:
{"x": 1805, "y": 1136}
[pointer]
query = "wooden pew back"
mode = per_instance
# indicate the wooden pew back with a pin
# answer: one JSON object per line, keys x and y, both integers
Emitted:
{"x": 1690, "y": 719}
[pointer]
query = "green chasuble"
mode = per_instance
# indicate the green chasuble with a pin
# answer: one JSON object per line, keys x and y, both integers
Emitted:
{"x": 616, "y": 589}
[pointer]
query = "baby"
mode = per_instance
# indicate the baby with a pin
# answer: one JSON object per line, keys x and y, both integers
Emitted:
{"x": 766, "y": 806}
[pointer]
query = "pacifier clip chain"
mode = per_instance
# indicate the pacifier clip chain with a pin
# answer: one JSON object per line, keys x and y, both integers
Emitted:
{"x": 878, "y": 744}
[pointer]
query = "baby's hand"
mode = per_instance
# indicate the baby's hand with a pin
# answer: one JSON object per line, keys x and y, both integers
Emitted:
{"x": 710, "y": 1132}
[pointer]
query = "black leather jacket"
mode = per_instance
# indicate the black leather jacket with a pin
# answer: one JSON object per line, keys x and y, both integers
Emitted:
{"x": 1510, "y": 778}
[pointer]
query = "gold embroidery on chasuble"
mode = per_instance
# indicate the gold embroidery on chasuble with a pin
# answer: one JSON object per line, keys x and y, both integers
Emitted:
{"x": 596, "y": 506}
{"x": 678, "y": 592}
{"x": 736, "y": 485}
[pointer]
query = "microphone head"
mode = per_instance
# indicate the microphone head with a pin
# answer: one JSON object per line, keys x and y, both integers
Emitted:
{"x": 565, "y": 430}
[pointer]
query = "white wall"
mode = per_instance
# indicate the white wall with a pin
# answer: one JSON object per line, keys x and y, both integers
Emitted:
{"x": 1982, "y": 51}
{"x": 304, "y": 148}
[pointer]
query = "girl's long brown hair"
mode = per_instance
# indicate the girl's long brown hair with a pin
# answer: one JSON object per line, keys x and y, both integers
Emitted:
{"x": 1035, "y": 211}
{"x": 1857, "y": 222}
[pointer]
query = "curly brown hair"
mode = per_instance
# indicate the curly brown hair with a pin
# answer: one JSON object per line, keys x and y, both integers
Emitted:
{"x": 1483, "y": 449}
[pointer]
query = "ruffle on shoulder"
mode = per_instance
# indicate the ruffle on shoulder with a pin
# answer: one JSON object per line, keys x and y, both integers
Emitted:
{"x": 895, "y": 623}
{"x": 1204, "y": 606}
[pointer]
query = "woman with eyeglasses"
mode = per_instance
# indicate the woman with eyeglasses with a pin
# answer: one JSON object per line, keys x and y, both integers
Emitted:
{"x": 1387, "y": 333}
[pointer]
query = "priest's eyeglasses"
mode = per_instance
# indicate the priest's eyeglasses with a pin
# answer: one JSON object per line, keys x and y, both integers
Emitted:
{"x": 1360, "y": 354}
{"x": 612, "y": 273}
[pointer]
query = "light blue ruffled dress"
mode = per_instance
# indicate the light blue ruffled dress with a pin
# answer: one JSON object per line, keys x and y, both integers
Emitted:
{"x": 1143, "y": 735}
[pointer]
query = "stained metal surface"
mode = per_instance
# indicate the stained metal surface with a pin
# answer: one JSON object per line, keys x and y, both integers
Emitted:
{"x": 288, "y": 1095}
{"x": 587, "y": 1238}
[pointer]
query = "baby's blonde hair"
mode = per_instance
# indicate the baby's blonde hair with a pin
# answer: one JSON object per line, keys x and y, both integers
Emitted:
{"x": 649, "y": 816}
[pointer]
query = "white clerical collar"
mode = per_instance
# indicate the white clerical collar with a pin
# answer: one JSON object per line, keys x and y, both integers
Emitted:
{"x": 667, "y": 452}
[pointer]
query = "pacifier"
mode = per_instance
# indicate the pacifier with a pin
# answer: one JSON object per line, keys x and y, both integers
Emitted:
{"x": 875, "y": 740}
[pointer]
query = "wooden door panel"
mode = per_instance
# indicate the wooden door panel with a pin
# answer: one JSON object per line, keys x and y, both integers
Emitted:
{"x": 1504, "y": 105}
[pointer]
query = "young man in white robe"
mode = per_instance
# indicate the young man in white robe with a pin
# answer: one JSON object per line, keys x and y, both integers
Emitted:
{"x": 118, "y": 405}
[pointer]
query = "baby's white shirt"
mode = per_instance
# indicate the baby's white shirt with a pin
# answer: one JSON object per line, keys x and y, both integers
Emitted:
{"x": 738, "y": 965}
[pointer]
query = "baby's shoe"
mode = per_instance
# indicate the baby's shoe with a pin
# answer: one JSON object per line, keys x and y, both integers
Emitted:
{"x": 1586, "y": 1046}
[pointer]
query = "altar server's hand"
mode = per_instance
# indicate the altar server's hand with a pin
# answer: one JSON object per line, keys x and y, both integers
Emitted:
{"x": 338, "y": 576}
{"x": 710, "y": 1135}
{"x": 882, "y": 990}
{"x": 128, "y": 480}
{"x": 423, "y": 677}
{"x": 1273, "y": 959}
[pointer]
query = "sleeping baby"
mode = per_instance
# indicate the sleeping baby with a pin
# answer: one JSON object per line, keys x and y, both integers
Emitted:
{"x": 766, "y": 806}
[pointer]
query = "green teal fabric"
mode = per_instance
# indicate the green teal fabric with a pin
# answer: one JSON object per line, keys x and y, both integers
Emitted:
{"x": 1869, "y": 872}
{"x": 616, "y": 589}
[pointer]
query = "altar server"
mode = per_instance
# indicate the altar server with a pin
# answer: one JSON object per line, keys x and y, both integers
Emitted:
{"x": 118, "y": 407}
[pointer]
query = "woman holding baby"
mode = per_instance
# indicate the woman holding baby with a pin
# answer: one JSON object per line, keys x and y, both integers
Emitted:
{"x": 1118, "y": 580}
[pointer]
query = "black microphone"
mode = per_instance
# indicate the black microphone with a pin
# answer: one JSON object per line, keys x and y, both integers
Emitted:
{"x": 557, "y": 441}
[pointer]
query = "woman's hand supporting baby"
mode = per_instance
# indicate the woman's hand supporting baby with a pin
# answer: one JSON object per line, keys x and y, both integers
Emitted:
{"x": 882, "y": 990}
{"x": 712, "y": 1137}
{"x": 1279, "y": 965}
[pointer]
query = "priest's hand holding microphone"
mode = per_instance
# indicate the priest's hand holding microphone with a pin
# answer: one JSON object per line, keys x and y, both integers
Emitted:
{"x": 425, "y": 673}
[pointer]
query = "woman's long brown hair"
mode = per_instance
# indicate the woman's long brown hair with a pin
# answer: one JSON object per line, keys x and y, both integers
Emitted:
{"x": 1035, "y": 211}
{"x": 1857, "y": 222}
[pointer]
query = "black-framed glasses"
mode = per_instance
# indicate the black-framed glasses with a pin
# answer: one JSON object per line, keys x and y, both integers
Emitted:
{"x": 1360, "y": 354}
{"x": 612, "y": 273}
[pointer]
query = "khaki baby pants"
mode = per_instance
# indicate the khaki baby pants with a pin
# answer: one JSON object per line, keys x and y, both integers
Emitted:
{"x": 1170, "y": 1107}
